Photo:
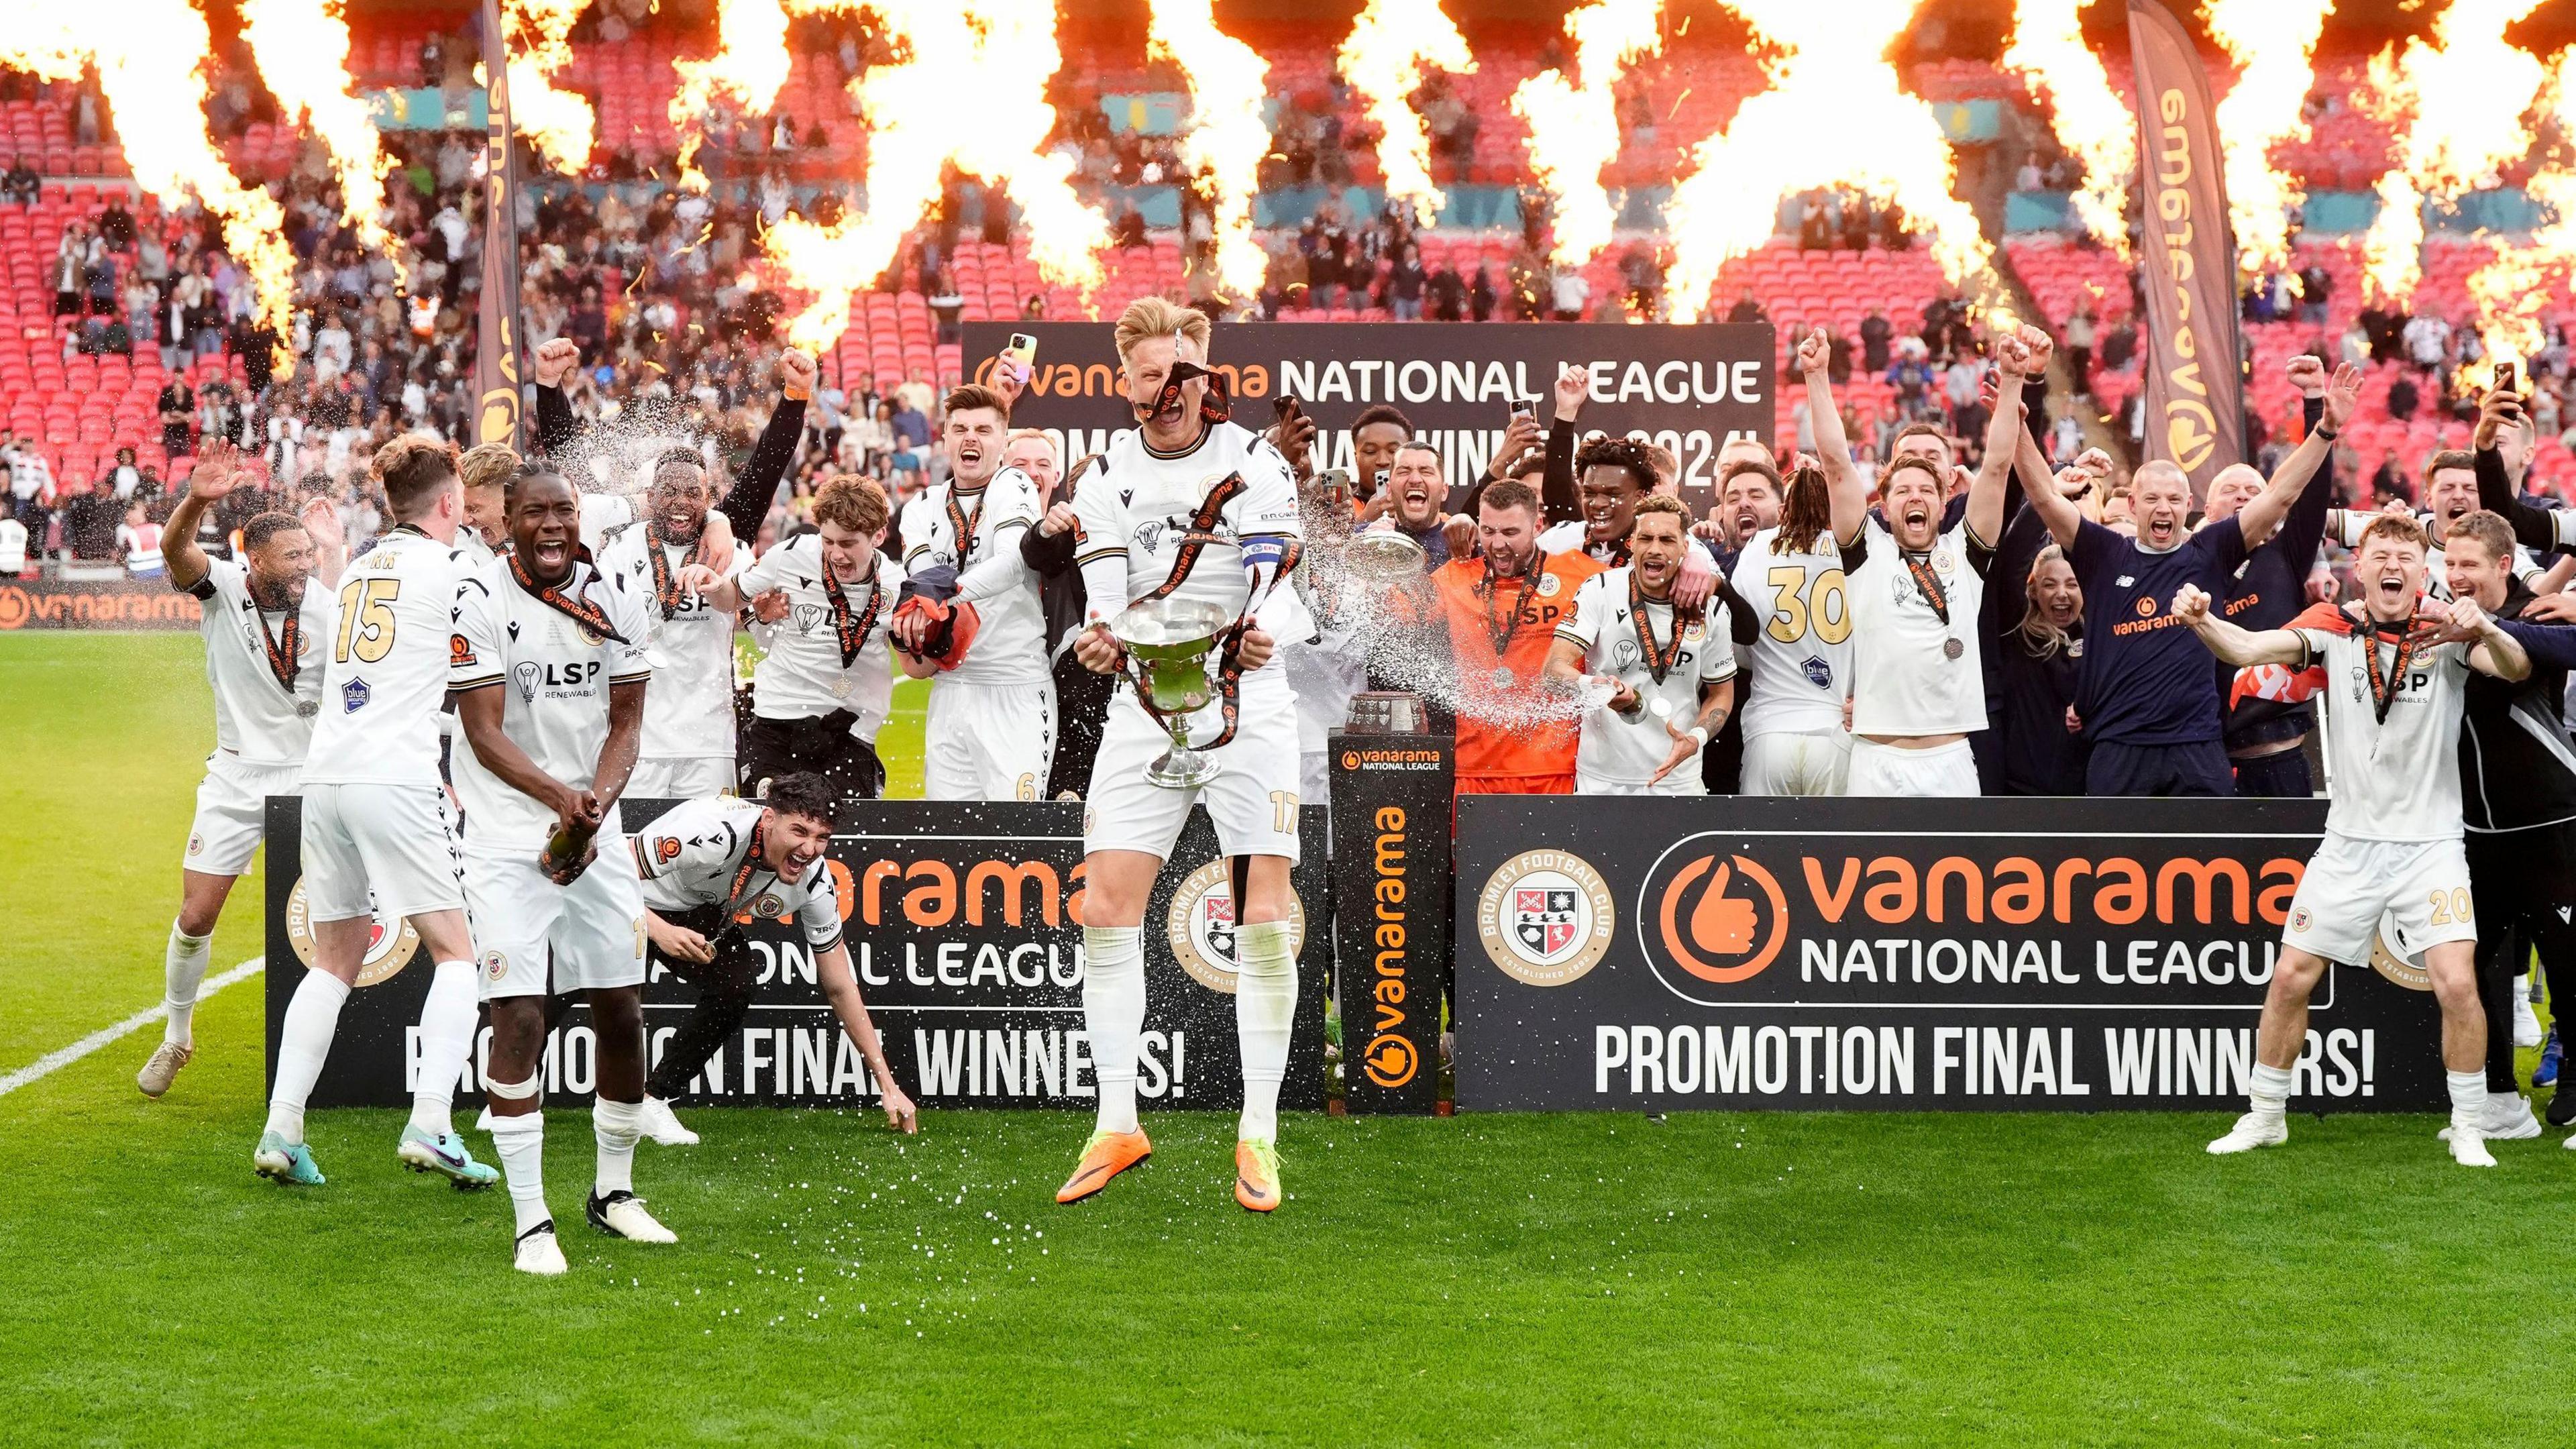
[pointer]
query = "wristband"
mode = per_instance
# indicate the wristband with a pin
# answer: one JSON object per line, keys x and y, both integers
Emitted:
{"x": 1699, "y": 733}
{"x": 2327, "y": 433}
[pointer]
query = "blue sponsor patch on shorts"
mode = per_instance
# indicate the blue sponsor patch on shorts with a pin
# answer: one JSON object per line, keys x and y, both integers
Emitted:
{"x": 354, "y": 696}
{"x": 1819, "y": 673}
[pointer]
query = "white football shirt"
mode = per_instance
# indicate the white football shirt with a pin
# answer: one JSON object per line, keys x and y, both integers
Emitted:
{"x": 692, "y": 856}
{"x": 688, "y": 644}
{"x": 257, "y": 717}
{"x": 1905, "y": 679}
{"x": 1802, "y": 657}
{"x": 1614, "y": 747}
{"x": 386, "y": 672}
{"x": 2399, "y": 780}
{"x": 802, "y": 677}
{"x": 554, "y": 674}
{"x": 1010, "y": 644}
{"x": 2437, "y": 581}
{"x": 1570, "y": 537}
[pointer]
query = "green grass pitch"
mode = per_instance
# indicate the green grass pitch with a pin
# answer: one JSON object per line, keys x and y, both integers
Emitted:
{"x": 1524, "y": 1280}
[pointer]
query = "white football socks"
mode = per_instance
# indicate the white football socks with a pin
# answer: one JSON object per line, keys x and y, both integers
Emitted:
{"x": 2468, "y": 1098}
{"x": 2269, "y": 1087}
{"x": 521, "y": 1141}
{"x": 447, "y": 1021}
{"x": 183, "y": 969}
{"x": 617, "y": 1125}
{"x": 312, "y": 1018}
{"x": 1265, "y": 1004}
{"x": 1113, "y": 1012}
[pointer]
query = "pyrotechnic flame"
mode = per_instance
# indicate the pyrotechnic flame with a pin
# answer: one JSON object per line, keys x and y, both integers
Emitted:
{"x": 302, "y": 49}
{"x": 2273, "y": 43}
{"x": 147, "y": 53}
{"x": 1383, "y": 59}
{"x": 1226, "y": 136}
{"x": 2467, "y": 93}
{"x": 968, "y": 89}
{"x": 1834, "y": 116}
{"x": 1574, "y": 128}
{"x": 2515, "y": 291}
{"x": 560, "y": 124}
{"x": 2048, "y": 48}
{"x": 749, "y": 66}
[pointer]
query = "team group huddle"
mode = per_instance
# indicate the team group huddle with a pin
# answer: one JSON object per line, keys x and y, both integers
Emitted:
{"x": 462, "y": 707}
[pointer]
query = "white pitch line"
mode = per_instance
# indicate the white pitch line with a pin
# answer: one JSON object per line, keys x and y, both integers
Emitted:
{"x": 52, "y": 1062}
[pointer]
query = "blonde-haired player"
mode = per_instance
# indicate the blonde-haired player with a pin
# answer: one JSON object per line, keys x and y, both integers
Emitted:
{"x": 1671, "y": 670}
{"x": 2391, "y": 693}
{"x": 1194, "y": 507}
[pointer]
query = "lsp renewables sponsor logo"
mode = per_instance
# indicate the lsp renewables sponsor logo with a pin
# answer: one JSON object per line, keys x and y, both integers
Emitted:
{"x": 1390, "y": 1058}
{"x": 1718, "y": 909}
{"x": 389, "y": 944}
{"x": 1202, "y": 928}
{"x": 1546, "y": 917}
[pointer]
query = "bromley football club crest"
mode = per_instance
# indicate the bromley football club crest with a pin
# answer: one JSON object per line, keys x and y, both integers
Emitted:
{"x": 1546, "y": 917}
{"x": 1201, "y": 927}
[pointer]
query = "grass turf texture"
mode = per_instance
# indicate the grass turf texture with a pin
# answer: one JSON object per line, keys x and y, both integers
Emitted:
{"x": 1763, "y": 1278}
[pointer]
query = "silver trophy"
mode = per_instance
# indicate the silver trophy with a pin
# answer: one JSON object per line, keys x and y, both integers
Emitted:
{"x": 1382, "y": 555}
{"x": 1168, "y": 642}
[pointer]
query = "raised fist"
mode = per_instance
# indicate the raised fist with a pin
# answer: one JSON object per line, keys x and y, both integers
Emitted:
{"x": 555, "y": 360}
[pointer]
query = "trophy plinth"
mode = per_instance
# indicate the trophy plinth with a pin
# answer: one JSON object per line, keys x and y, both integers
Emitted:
{"x": 1168, "y": 642}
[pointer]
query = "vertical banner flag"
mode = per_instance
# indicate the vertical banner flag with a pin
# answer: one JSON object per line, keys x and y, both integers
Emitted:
{"x": 2195, "y": 408}
{"x": 496, "y": 342}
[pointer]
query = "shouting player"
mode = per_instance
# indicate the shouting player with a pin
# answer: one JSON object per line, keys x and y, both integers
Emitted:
{"x": 1665, "y": 664}
{"x": 1192, "y": 507}
{"x": 820, "y": 693}
{"x": 706, "y": 863}
{"x": 377, "y": 835}
{"x": 265, "y": 628}
{"x": 2392, "y": 689}
{"x": 549, "y": 674}
{"x": 991, "y": 727}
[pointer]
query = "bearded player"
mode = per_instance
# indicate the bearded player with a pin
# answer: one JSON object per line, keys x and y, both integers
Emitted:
{"x": 1671, "y": 670}
{"x": 1192, "y": 507}
{"x": 2392, "y": 688}
{"x": 550, "y": 675}
{"x": 266, "y": 628}
{"x": 377, "y": 835}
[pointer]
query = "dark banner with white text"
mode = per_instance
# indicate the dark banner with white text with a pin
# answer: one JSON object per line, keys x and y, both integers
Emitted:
{"x": 964, "y": 923}
{"x": 1944, "y": 955}
{"x": 1688, "y": 389}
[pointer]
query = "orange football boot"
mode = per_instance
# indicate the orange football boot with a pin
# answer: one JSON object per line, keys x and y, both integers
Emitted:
{"x": 1256, "y": 1175}
{"x": 1105, "y": 1156}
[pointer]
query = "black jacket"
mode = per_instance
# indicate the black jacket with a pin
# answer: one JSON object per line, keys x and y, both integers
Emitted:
{"x": 2517, "y": 769}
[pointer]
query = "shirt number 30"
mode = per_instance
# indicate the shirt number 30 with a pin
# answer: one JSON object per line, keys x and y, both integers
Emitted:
{"x": 1792, "y": 611}
{"x": 367, "y": 620}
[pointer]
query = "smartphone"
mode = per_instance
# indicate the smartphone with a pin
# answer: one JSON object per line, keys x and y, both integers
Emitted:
{"x": 1023, "y": 350}
{"x": 2504, "y": 377}
{"x": 1282, "y": 408}
{"x": 1521, "y": 409}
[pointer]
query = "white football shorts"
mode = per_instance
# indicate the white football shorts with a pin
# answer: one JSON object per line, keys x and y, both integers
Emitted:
{"x": 1949, "y": 769}
{"x": 1253, "y": 800}
{"x": 988, "y": 741}
{"x": 232, "y": 812}
{"x": 592, "y": 929}
{"x": 2422, "y": 884}
{"x": 398, "y": 841}
{"x": 687, "y": 777}
{"x": 1796, "y": 762}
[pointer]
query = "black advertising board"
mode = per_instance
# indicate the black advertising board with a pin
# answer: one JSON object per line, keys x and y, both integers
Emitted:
{"x": 964, "y": 927}
{"x": 1857, "y": 954}
{"x": 1391, "y": 804}
{"x": 1686, "y": 388}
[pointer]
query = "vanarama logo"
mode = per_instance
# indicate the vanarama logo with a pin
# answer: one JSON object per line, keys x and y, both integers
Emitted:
{"x": 389, "y": 947}
{"x": 1099, "y": 379}
{"x": 1545, "y": 917}
{"x": 1391, "y": 757}
{"x": 1717, "y": 917}
{"x": 1390, "y": 1058}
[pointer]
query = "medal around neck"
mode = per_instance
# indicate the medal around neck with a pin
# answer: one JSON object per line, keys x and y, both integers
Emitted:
{"x": 1168, "y": 642}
